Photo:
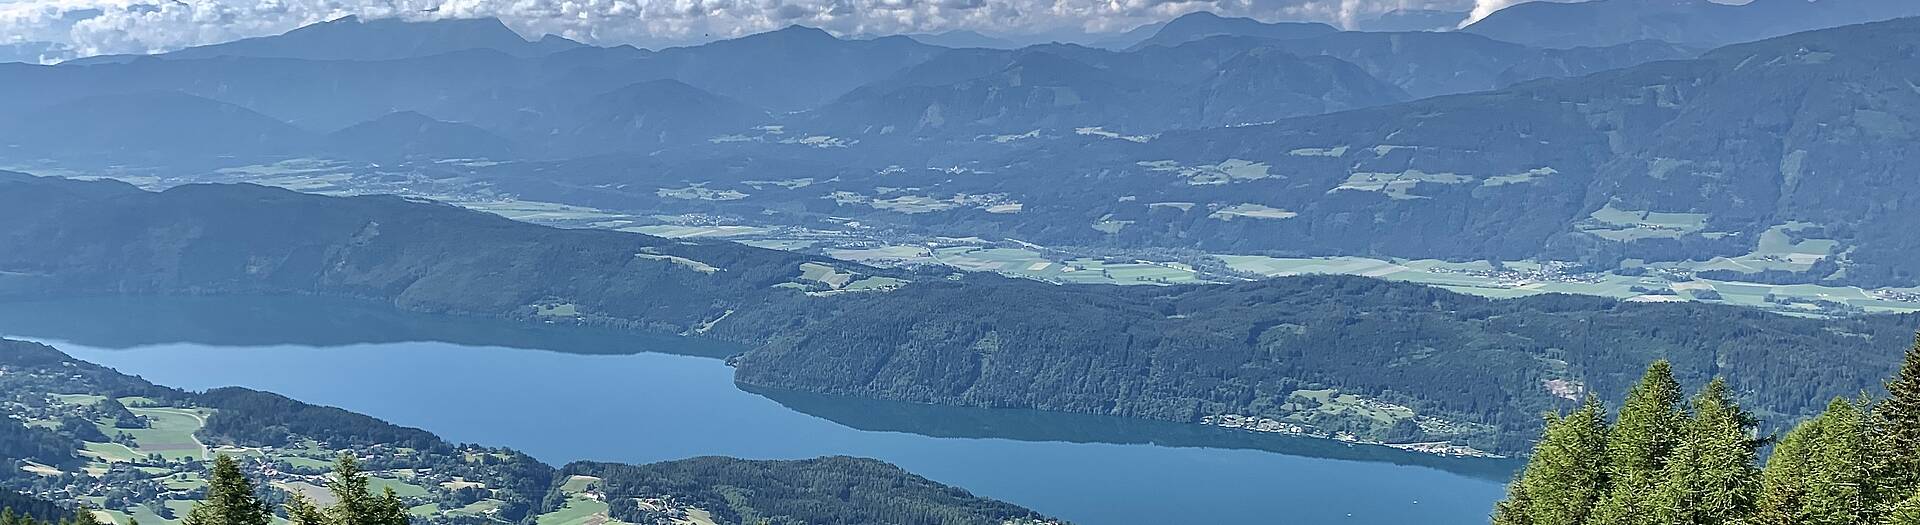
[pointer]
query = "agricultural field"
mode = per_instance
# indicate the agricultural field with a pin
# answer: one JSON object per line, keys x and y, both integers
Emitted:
{"x": 702, "y": 193}
{"x": 171, "y": 434}
{"x": 1397, "y": 186}
{"x": 1778, "y": 249}
{"x": 825, "y": 279}
{"x": 1523, "y": 278}
{"x": 1229, "y": 171}
{"x": 1027, "y": 263}
{"x": 586, "y": 505}
{"x": 1332, "y": 402}
{"x": 678, "y": 231}
{"x": 1251, "y": 211}
{"x": 1623, "y": 225}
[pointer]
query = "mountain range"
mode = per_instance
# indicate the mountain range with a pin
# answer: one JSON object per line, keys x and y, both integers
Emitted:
{"x": 1686, "y": 22}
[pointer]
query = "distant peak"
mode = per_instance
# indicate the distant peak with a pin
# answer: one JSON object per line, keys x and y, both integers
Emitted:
{"x": 798, "y": 31}
{"x": 405, "y": 115}
{"x": 1200, "y": 15}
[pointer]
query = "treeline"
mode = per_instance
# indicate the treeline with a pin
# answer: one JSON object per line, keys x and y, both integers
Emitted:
{"x": 8, "y": 517}
{"x": 825, "y": 490}
{"x": 1663, "y": 461}
{"x": 21, "y": 509}
{"x": 20, "y": 442}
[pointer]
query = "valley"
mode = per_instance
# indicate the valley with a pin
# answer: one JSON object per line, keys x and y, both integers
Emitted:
{"x": 840, "y": 263}
{"x": 882, "y": 244}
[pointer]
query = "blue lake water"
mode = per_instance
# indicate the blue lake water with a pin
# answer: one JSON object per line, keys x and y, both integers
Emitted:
{"x": 576, "y": 394}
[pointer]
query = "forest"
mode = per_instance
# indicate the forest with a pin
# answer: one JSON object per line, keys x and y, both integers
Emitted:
{"x": 1665, "y": 459}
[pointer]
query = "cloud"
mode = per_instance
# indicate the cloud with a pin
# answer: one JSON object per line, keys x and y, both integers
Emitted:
{"x": 144, "y": 26}
{"x": 1482, "y": 8}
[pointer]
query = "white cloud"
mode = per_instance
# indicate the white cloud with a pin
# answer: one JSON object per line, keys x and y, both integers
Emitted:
{"x": 140, "y": 26}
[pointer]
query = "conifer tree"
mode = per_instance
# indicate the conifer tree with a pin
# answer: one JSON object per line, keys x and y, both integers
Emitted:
{"x": 355, "y": 504}
{"x": 1513, "y": 510}
{"x": 1906, "y": 512}
{"x": 301, "y": 511}
{"x": 230, "y": 499}
{"x": 1646, "y": 433}
{"x": 1840, "y": 478}
{"x": 1897, "y": 435}
{"x": 1566, "y": 475}
{"x": 1711, "y": 479}
{"x": 1783, "y": 483}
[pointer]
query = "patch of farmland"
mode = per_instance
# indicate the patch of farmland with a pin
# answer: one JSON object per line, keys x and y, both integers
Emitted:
{"x": 883, "y": 254}
{"x": 672, "y": 231}
{"x": 791, "y": 184}
{"x": 1336, "y": 151}
{"x": 539, "y": 212}
{"x": 1230, "y": 170}
{"x": 649, "y": 254}
{"x": 1251, "y": 211}
{"x": 1616, "y": 224}
{"x": 1397, "y": 185}
{"x": 701, "y": 192}
{"x": 1284, "y": 267}
{"x": 1103, "y": 133}
{"x": 912, "y": 204}
{"x": 1778, "y": 249}
{"x": 402, "y": 488}
{"x": 1532, "y": 175}
{"x": 170, "y": 433}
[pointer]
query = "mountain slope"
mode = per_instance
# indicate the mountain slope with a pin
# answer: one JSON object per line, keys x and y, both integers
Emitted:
{"x": 407, "y": 134}
{"x": 640, "y": 117}
{"x": 789, "y": 69}
{"x": 1782, "y": 159}
{"x": 1204, "y": 24}
{"x": 1200, "y": 84}
{"x": 354, "y": 38}
{"x": 1692, "y": 22}
{"x": 1177, "y": 353}
{"x": 1428, "y": 64}
{"x": 150, "y": 124}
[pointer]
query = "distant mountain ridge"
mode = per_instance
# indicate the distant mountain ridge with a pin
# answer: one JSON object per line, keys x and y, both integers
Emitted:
{"x": 1204, "y": 24}
{"x": 1688, "y": 22}
{"x": 355, "y": 38}
{"x": 1158, "y": 88}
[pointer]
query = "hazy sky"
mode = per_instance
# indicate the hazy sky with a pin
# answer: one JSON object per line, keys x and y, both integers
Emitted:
{"x": 137, "y": 26}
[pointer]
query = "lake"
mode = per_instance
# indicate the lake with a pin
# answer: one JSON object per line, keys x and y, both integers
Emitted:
{"x": 564, "y": 394}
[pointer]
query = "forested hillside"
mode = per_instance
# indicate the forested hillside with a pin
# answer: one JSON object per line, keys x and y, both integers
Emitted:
{"x": 283, "y": 444}
{"x": 1378, "y": 360}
